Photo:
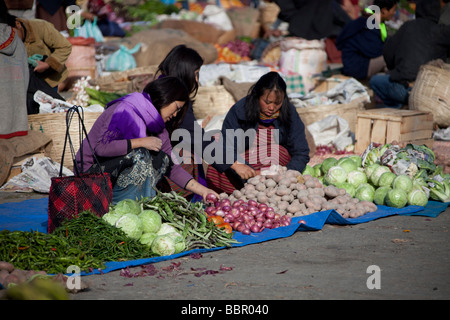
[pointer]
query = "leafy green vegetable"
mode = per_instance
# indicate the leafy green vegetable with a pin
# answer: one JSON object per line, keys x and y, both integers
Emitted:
{"x": 127, "y": 206}
{"x": 417, "y": 197}
{"x": 356, "y": 178}
{"x": 376, "y": 174}
{"x": 131, "y": 224}
{"x": 396, "y": 198}
{"x": 151, "y": 221}
{"x": 308, "y": 170}
{"x": 348, "y": 187}
{"x": 386, "y": 179}
{"x": 403, "y": 182}
{"x": 348, "y": 164}
{"x": 147, "y": 238}
{"x": 327, "y": 164}
{"x": 380, "y": 195}
{"x": 335, "y": 175}
{"x": 365, "y": 192}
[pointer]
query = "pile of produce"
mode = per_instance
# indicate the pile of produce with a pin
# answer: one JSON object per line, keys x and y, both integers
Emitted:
{"x": 233, "y": 52}
{"x": 160, "y": 226}
{"x": 167, "y": 224}
{"x": 387, "y": 175}
{"x": 246, "y": 217}
{"x": 289, "y": 193}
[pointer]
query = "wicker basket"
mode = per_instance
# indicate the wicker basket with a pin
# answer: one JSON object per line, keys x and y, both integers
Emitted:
{"x": 122, "y": 81}
{"x": 212, "y": 101}
{"x": 431, "y": 92}
{"x": 54, "y": 125}
{"x": 347, "y": 111}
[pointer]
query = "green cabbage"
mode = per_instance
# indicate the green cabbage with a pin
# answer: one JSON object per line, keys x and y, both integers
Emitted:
{"x": 167, "y": 244}
{"x": 396, "y": 198}
{"x": 151, "y": 221}
{"x": 335, "y": 175}
{"x": 318, "y": 170}
{"x": 376, "y": 174}
{"x": 356, "y": 178}
{"x": 147, "y": 238}
{"x": 365, "y": 192}
{"x": 308, "y": 170}
{"x": 357, "y": 159}
{"x": 131, "y": 225}
{"x": 417, "y": 197}
{"x": 348, "y": 187}
{"x": 111, "y": 217}
{"x": 380, "y": 195}
{"x": 127, "y": 206}
{"x": 165, "y": 229}
{"x": 386, "y": 179}
{"x": 327, "y": 164}
{"x": 348, "y": 164}
{"x": 370, "y": 168}
{"x": 403, "y": 182}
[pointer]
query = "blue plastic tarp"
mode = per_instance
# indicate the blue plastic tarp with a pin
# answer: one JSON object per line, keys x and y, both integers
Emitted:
{"x": 32, "y": 215}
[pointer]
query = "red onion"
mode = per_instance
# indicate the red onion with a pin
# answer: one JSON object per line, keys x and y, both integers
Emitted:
{"x": 210, "y": 211}
{"x": 254, "y": 228}
{"x": 246, "y": 231}
{"x": 226, "y": 208}
{"x": 211, "y": 197}
{"x": 252, "y": 203}
{"x": 268, "y": 224}
{"x": 220, "y": 213}
{"x": 270, "y": 215}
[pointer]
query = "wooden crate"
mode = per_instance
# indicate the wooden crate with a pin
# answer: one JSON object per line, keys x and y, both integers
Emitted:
{"x": 386, "y": 125}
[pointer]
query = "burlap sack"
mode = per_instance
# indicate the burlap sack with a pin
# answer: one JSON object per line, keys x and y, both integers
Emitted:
{"x": 156, "y": 44}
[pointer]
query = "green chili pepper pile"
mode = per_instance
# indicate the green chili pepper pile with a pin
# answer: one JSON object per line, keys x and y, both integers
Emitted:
{"x": 190, "y": 219}
{"x": 89, "y": 241}
{"x": 41, "y": 251}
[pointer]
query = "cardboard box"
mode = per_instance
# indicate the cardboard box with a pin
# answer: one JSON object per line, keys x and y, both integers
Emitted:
{"x": 386, "y": 125}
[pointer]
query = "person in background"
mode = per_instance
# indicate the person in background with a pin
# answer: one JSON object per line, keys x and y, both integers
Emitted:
{"x": 14, "y": 81}
{"x": 131, "y": 141}
{"x": 46, "y": 48}
{"x": 185, "y": 63}
{"x": 362, "y": 44}
{"x": 54, "y": 11}
{"x": 416, "y": 43}
{"x": 280, "y": 135}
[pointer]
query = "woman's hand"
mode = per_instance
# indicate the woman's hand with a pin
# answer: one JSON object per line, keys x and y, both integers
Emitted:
{"x": 41, "y": 66}
{"x": 150, "y": 143}
{"x": 197, "y": 188}
{"x": 243, "y": 170}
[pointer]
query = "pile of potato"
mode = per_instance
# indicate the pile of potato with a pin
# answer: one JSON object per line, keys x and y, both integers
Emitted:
{"x": 11, "y": 275}
{"x": 289, "y": 192}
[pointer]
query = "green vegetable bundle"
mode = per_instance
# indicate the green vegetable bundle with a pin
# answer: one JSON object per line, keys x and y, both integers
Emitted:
{"x": 101, "y": 97}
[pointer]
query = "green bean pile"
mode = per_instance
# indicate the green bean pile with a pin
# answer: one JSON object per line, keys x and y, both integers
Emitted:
{"x": 190, "y": 219}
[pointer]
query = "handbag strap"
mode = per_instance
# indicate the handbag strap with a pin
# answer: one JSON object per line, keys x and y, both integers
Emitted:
{"x": 81, "y": 133}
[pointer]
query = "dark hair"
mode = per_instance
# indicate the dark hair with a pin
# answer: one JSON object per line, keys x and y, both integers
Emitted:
{"x": 271, "y": 81}
{"x": 5, "y": 16}
{"x": 163, "y": 92}
{"x": 182, "y": 62}
{"x": 388, "y": 4}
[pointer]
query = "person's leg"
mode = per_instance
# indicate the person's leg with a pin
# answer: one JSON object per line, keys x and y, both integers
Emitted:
{"x": 376, "y": 65}
{"x": 393, "y": 94}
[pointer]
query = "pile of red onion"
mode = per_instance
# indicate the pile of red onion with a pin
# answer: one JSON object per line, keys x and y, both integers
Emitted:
{"x": 246, "y": 217}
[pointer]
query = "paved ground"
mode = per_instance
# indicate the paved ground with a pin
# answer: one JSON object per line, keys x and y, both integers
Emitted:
{"x": 408, "y": 257}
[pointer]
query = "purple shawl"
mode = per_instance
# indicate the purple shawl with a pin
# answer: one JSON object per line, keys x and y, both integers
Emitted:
{"x": 134, "y": 117}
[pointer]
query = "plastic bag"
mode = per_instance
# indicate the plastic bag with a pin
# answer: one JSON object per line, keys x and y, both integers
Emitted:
{"x": 122, "y": 59}
{"x": 332, "y": 130}
{"x": 90, "y": 30}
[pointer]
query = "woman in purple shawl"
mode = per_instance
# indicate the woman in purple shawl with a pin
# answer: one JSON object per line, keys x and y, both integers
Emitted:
{"x": 131, "y": 141}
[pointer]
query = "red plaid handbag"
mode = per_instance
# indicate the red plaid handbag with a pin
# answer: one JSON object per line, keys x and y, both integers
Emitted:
{"x": 70, "y": 195}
